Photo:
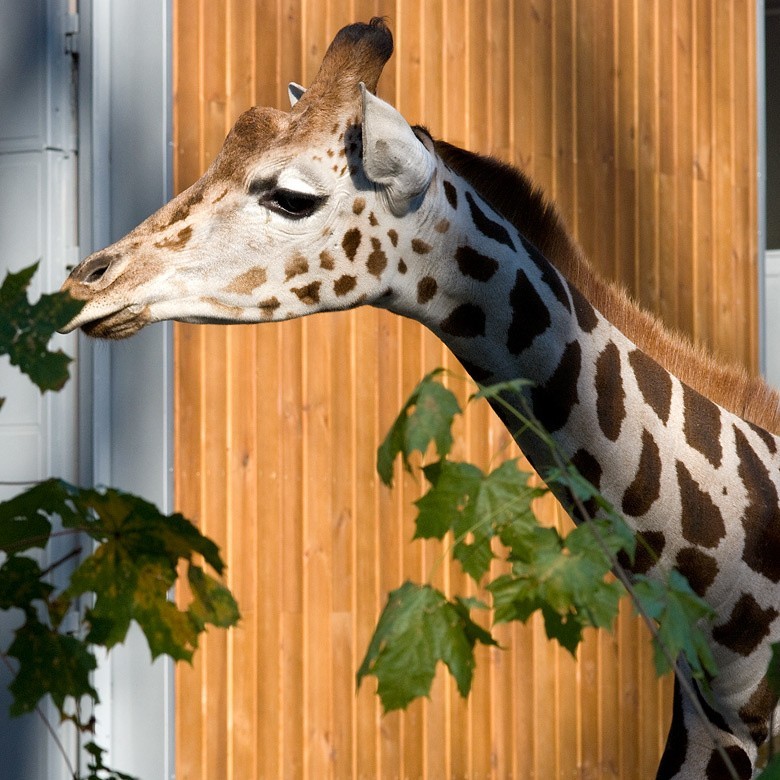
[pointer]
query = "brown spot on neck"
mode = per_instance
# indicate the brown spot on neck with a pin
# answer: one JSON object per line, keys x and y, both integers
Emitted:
{"x": 351, "y": 242}
{"x": 177, "y": 242}
{"x": 296, "y": 266}
{"x": 248, "y": 281}
{"x": 511, "y": 194}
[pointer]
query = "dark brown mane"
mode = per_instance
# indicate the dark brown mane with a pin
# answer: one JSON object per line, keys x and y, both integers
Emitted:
{"x": 513, "y": 195}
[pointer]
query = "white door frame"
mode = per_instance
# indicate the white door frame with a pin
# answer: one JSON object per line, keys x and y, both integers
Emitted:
{"x": 127, "y": 387}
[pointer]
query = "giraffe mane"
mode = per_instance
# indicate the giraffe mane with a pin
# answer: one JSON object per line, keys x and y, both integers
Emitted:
{"x": 512, "y": 194}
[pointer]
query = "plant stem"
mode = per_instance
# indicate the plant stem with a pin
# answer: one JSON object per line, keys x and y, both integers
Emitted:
{"x": 46, "y": 722}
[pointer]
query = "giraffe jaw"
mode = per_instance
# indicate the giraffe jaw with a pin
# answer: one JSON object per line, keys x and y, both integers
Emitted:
{"x": 116, "y": 325}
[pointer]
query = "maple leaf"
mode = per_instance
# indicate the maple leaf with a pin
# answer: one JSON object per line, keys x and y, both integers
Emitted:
{"x": 26, "y": 329}
{"x": 426, "y": 417}
{"x": 49, "y": 662}
{"x": 418, "y": 628}
{"x": 677, "y": 609}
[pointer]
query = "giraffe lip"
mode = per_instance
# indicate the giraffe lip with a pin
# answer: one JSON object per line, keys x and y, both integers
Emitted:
{"x": 119, "y": 324}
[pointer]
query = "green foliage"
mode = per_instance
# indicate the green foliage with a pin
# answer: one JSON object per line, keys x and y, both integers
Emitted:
{"x": 137, "y": 553}
{"x": 677, "y": 609}
{"x": 25, "y": 329}
{"x": 565, "y": 578}
{"x": 418, "y": 628}
{"x": 130, "y": 574}
{"x": 426, "y": 417}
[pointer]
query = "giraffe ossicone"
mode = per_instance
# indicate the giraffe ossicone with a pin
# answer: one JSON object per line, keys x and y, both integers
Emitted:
{"x": 339, "y": 203}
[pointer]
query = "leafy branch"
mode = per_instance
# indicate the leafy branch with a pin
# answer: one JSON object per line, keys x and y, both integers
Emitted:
{"x": 568, "y": 579}
{"x": 136, "y": 556}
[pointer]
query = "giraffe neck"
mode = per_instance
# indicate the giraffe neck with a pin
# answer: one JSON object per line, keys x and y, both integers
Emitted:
{"x": 659, "y": 451}
{"x": 697, "y": 482}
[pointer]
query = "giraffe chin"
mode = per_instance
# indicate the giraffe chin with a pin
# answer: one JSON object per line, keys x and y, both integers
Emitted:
{"x": 119, "y": 325}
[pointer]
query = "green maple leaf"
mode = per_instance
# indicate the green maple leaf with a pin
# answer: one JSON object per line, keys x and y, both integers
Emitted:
{"x": 134, "y": 568}
{"x": 97, "y": 769}
{"x": 453, "y": 489}
{"x": 565, "y": 579}
{"x": 49, "y": 662}
{"x": 677, "y": 609}
{"x": 425, "y": 418}
{"x": 212, "y": 602}
{"x": 26, "y": 329}
{"x": 21, "y": 584}
{"x": 418, "y": 628}
{"x": 24, "y": 519}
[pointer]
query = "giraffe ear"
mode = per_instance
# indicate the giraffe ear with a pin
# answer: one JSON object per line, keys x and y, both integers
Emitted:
{"x": 295, "y": 92}
{"x": 393, "y": 156}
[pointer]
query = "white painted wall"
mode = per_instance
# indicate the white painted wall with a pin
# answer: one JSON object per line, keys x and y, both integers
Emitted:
{"x": 112, "y": 423}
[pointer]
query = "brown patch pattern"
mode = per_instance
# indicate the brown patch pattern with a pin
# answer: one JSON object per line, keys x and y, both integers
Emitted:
{"x": 642, "y": 493}
{"x": 585, "y": 313}
{"x": 296, "y": 266}
{"x": 309, "y": 294}
{"x": 553, "y": 401}
{"x": 248, "y": 281}
{"x": 610, "y": 395}
{"x": 717, "y": 769}
{"x": 699, "y": 568}
{"x": 649, "y": 546}
{"x": 513, "y": 195}
{"x": 377, "y": 260}
{"x": 550, "y": 276}
{"x": 269, "y": 306}
{"x": 358, "y": 206}
{"x": 702, "y": 425}
{"x": 442, "y": 226}
{"x": 488, "y": 227}
{"x": 327, "y": 261}
{"x": 179, "y": 241}
{"x": 747, "y": 626}
{"x": 451, "y": 193}
{"x": 351, "y": 242}
{"x": 344, "y": 284}
{"x": 426, "y": 289}
{"x": 530, "y": 317}
{"x": 465, "y": 321}
{"x": 701, "y": 520}
{"x": 766, "y": 437}
{"x": 372, "y": 220}
{"x": 676, "y": 747}
{"x": 474, "y": 264}
{"x": 654, "y": 383}
{"x": 591, "y": 470}
{"x": 402, "y": 269}
{"x": 755, "y": 714}
{"x": 420, "y": 247}
{"x": 761, "y": 518}
{"x": 393, "y": 236}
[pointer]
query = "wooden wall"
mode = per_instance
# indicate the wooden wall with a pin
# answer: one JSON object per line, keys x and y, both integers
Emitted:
{"x": 638, "y": 116}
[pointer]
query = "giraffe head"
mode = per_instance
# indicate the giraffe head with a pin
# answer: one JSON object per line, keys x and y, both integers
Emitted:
{"x": 286, "y": 220}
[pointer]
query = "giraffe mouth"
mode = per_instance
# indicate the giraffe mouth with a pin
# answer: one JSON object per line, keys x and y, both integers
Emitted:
{"x": 119, "y": 325}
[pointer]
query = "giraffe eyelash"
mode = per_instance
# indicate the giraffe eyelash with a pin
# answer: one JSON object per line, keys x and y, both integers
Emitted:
{"x": 292, "y": 204}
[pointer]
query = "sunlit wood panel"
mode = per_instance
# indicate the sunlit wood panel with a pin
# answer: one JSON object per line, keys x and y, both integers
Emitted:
{"x": 638, "y": 116}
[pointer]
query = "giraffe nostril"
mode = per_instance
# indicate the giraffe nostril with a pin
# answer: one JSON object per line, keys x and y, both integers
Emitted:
{"x": 93, "y": 269}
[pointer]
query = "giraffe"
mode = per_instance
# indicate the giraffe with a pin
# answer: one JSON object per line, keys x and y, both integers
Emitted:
{"x": 340, "y": 203}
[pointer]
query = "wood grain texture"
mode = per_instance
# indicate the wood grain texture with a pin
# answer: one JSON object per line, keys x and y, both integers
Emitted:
{"x": 637, "y": 116}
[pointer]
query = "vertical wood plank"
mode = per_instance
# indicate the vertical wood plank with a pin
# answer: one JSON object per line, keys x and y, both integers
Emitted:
{"x": 637, "y": 117}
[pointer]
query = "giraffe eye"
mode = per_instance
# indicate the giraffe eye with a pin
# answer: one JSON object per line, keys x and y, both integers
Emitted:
{"x": 294, "y": 204}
